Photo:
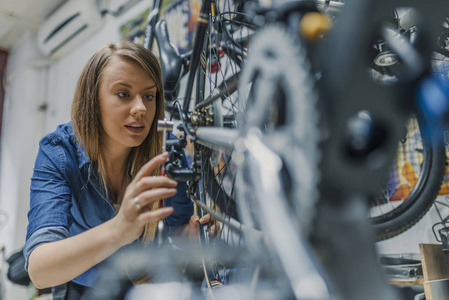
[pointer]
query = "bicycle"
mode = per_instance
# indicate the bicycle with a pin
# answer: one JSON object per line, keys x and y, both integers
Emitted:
{"x": 417, "y": 172}
{"x": 220, "y": 56}
{"x": 351, "y": 170}
{"x": 297, "y": 262}
{"x": 225, "y": 50}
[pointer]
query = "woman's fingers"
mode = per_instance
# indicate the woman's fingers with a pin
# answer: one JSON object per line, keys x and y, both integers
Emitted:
{"x": 155, "y": 215}
{"x": 152, "y": 182}
{"x": 212, "y": 230}
{"x": 150, "y": 196}
{"x": 214, "y": 226}
{"x": 194, "y": 220}
{"x": 205, "y": 219}
{"x": 137, "y": 209}
{"x": 150, "y": 166}
{"x": 215, "y": 229}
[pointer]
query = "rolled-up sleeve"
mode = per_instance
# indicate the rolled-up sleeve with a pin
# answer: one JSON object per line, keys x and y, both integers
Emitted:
{"x": 49, "y": 217}
{"x": 42, "y": 236}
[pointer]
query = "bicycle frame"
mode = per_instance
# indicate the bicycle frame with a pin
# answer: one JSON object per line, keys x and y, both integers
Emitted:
{"x": 346, "y": 180}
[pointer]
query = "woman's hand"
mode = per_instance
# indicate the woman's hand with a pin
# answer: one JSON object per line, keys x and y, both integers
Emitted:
{"x": 213, "y": 227}
{"x": 140, "y": 195}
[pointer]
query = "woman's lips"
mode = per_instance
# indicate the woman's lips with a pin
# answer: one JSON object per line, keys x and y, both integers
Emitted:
{"x": 135, "y": 128}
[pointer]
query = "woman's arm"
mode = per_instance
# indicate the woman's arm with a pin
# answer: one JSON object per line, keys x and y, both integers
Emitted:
{"x": 58, "y": 262}
{"x": 54, "y": 263}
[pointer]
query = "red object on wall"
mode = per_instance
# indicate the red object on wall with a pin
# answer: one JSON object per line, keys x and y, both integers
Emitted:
{"x": 3, "y": 60}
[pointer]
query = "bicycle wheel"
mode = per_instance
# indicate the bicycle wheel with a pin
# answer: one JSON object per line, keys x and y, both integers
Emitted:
{"x": 223, "y": 53}
{"x": 413, "y": 182}
{"x": 418, "y": 169}
{"x": 224, "y": 50}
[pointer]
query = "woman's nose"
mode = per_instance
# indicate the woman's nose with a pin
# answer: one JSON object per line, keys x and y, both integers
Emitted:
{"x": 138, "y": 106}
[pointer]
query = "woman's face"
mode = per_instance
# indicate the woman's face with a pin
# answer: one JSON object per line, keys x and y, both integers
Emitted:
{"x": 127, "y": 103}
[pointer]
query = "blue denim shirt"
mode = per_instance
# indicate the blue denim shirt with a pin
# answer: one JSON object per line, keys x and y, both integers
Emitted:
{"x": 67, "y": 196}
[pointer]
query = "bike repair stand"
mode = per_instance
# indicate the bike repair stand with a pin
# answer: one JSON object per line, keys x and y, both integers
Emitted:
{"x": 163, "y": 126}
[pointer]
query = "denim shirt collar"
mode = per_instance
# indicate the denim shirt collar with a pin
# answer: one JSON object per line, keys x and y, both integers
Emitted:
{"x": 82, "y": 156}
{"x": 85, "y": 162}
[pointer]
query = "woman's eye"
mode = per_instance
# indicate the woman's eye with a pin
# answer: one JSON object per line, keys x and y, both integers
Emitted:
{"x": 148, "y": 97}
{"x": 122, "y": 94}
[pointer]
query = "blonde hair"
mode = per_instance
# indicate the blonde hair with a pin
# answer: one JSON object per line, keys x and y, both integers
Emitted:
{"x": 86, "y": 117}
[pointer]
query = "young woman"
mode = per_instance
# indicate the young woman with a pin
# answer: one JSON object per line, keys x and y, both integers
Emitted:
{"x": 95, "y": 186}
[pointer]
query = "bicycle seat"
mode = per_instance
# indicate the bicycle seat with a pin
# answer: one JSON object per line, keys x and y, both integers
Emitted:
{"x": 171, "y": 62}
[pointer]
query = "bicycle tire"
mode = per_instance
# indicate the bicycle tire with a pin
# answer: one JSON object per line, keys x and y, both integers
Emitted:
{"x": 221, "y": 61}
{"x": 407, "y": 195}
{"x": 415, "y": 196}
{"x": 219, "y": 70}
